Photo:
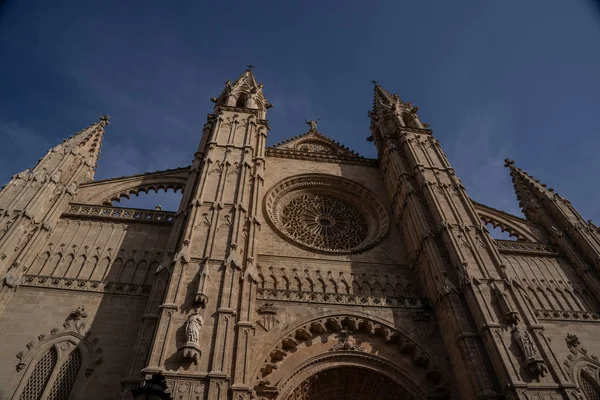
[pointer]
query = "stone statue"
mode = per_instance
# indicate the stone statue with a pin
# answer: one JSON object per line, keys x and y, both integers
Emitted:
{"x": 312, "y": 124}
{"x": 533, "y": 362}
{"x": 193, "y": 326}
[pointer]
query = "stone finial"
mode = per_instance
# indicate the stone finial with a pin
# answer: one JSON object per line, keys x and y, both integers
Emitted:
{"x": 105, "y": 119}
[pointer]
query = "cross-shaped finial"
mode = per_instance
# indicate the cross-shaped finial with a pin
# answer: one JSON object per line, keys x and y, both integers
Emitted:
{"x": 375, "y": 83}
{"x": 250, "y": 67}
{"x": 105, "y": 118}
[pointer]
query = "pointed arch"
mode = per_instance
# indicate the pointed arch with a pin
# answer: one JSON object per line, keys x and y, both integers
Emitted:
{"x": 56, "y": 367}
{"x": 322, "y": 286}
{"x": 75, "y": 267}
{"x": 589, "y": 386}
{"x": 88, "y": 268}
{"x": 63, "y": 265}
{"x": 112, "y": 273}
{"x": 388, "y": 289}
{"x": 37, "y": 266}
{"x": 38, "y": 380}
{"x": 411, "y": 291}
{"x": 51, "y": 264}
{"x": 139, "y": 276}
{"x": 377, "y": 290}
{"x": 66, "y": 377}
{"x": 366, "y": 289}
{"x": 355, "y": 287}
{"x": 297, "y": 284}
{"x": 410, "y": 120}
{"x": 101, "y": 270}
{"x": 400, "y": 290}
{"x": 127, "y": 272}
{"x": 286, "y": 282}
{"x": 151, "y": 275}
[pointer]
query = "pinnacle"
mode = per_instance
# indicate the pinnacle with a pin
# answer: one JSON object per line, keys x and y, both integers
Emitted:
{"x": 526, "y": 185}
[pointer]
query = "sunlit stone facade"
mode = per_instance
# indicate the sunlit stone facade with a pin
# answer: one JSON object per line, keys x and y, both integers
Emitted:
{"x": 297, "y": 271}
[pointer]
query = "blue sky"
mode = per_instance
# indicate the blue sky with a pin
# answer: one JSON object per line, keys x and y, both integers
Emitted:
{"x": 495, "y": 79}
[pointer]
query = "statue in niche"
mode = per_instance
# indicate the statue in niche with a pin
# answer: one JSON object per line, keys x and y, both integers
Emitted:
{"x": 193, "y": 326}
{"x": 533, "y": 362}
{"x": 191, "y": 349}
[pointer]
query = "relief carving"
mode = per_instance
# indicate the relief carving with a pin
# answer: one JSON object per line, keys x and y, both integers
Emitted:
{"x": 191, "y": 349}
{"x": 268, "y": 319}
{"x": 533, "y": 361}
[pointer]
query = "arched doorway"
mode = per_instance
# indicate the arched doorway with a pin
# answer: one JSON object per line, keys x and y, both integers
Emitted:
{"x": 349, "y": 383}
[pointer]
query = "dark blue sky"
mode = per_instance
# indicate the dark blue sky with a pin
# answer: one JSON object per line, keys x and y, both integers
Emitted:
{"x": 494, "y": 79}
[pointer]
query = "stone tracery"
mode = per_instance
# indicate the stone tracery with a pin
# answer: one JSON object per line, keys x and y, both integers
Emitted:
{"x": 324, "y": 221}
{"x": 327, "y": 213}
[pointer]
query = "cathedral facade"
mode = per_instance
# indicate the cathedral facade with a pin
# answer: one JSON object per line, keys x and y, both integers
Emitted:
{"x": 298, "y": 271}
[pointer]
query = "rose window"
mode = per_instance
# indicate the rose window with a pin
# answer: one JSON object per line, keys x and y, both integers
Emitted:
{"x": 326, "y": 213}
{"x": 325, "y": 222}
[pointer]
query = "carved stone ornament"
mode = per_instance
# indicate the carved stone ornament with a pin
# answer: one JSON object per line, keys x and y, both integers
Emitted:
{"x": 201, "y": 298}
{"x": 13, "y": 276}
{"x": 268, "y": 319}
{"x": 533, "y": 361}
{"x": 71, "y": 334}
{"x": 76, "y": 318}
{"x": 327, "y": 213}
{"x": 191, "y": 349}
{"x": 347, "y": 344}
{"x": 511, "y": 316}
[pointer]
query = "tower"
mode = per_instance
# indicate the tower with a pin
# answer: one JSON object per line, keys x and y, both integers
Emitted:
{"x": 31, "y": 203}
{"x": 296, "y": 271}
{"x": 212, "y": 247}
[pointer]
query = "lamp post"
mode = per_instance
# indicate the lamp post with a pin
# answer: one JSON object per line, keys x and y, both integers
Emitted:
{"x": 152, "y": 389}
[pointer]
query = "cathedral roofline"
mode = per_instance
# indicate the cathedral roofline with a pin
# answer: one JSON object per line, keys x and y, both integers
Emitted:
{"x": 178, "y": 169}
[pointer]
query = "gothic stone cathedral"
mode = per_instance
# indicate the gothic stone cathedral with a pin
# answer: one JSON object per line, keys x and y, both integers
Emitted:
{"x": 300, "y": 271}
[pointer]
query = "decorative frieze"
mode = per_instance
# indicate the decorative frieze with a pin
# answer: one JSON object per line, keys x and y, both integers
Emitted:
{"x": 509, "y": 246}
{"x": 86, "y": 285}
{"x": 568, "y": 315}
{"x": 118, "y": 213}
{"x": 323, "y": 157}
{"x": 338, "y": 298}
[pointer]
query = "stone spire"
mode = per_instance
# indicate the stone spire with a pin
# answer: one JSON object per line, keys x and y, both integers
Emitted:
{"x": 33, "y": 201}
{"x": 390, "y": 104}
{"x": 244, "y": 92}
{"x": 579, "y": 240}
{"x": 88, "y": 141}
{"x": 527, "y": 188}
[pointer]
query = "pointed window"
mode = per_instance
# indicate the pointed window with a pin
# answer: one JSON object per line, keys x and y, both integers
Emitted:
{"x": 241, "y": 100}
{"x": 63, "y": 384}
{"x": 54, "y": 375}
{"x": 589, "y": 387}
{"x": 39, "y": 377}
{"x": 409, "y": 120}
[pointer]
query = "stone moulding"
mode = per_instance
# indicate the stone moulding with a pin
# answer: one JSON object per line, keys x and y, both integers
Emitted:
{"x": 322, "y": 157}
{"x": 567, "y": 315}
{"x": 509, "y": 246}
{"x": 424, "y": 366}
{"x": 337, "y": 298}
{"x": 118, "y": 213}
{"x": 85, "y": 285}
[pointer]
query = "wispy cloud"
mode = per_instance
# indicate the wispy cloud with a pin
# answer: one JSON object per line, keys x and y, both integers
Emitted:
{"x": 478, "y": 154}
